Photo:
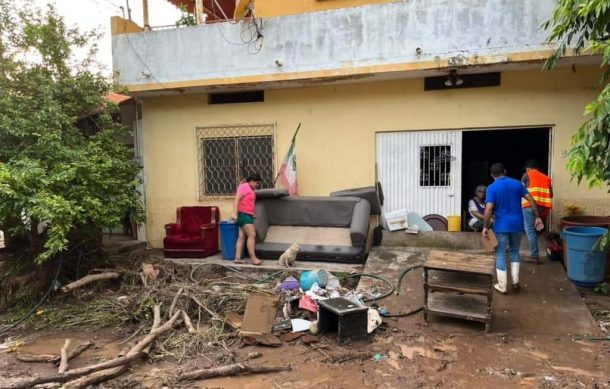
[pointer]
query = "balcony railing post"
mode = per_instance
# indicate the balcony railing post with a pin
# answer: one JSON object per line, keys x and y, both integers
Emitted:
{"x": 199, "y": 11}
{"x": 145, "y": 15}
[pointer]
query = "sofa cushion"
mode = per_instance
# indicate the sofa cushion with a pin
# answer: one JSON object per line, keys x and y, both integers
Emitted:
{"x": 331, "y": 236}
{"x": 311, "y": 211}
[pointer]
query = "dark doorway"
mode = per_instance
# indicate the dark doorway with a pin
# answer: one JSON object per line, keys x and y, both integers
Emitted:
{"x": 481, "y": 149}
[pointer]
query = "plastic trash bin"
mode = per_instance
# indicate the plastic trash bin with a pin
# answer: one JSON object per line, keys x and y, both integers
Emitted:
{"x": 228, "y": 238}
{"x": 585, "y": 263}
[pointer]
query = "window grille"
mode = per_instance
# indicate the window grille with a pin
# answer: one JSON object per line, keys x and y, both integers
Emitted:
{"x": 435, "y": 165}
{"x": 227, "y": 154}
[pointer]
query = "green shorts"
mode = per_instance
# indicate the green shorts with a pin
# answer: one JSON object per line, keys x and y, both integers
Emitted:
{"x": 244, "y": 218}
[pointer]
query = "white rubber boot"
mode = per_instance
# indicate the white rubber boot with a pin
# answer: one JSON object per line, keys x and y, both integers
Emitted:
{"x": 514, "y": 274}
{"x": 502, "y": 281}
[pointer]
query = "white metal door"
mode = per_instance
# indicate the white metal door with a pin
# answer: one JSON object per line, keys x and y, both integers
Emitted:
{"x": 421, "y": 171}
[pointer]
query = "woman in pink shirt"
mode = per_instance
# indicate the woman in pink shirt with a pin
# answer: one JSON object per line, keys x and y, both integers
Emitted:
{"x": 243, "y": 213}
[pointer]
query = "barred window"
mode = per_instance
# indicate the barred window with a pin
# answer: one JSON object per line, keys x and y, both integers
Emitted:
{"x": 435, "y": 165}
{"x": 227, "y": 154}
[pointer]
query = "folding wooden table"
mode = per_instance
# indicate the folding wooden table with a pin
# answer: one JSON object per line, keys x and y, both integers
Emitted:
{"x": 459, "y": 285}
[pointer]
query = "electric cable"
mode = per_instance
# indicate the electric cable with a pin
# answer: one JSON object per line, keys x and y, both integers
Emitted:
{"x": 403, "y": 274}
{"x": 52, "y": 287}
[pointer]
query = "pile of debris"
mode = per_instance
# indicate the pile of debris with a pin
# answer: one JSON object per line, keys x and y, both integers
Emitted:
{"x": 182, "y": 312}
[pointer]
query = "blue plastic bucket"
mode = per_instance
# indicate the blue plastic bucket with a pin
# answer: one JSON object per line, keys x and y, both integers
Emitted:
{"x": 228, "y": 238}
{"x": 308, "y": 278}
{"x": 586, "y": 264}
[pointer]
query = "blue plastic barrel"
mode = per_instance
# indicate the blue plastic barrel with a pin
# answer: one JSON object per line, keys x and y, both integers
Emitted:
{"x": 586, "y": 264}
{"x": 228, "y": 238}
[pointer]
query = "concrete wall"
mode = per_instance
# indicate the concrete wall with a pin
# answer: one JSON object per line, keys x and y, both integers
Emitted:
{"x": 354, "y": 41}
{"x": 336, "y": 144}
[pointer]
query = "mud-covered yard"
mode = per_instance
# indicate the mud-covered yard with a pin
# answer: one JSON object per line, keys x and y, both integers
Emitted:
{"x": 526, "y": 347}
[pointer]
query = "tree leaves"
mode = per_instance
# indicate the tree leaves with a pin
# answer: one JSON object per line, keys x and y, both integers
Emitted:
{"x": 585, "y": 24}
{"x": 50, "y": 170}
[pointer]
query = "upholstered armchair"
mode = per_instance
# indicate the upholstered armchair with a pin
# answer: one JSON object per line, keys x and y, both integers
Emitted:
{"x": 194, "y": 235}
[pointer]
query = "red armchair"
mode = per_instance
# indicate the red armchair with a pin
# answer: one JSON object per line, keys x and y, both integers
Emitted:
{"x": 194, "y": 235}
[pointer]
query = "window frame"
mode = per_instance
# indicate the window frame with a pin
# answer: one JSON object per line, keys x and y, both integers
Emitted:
{"x": 448, "y": 172}
{"x": 231, "y": 131}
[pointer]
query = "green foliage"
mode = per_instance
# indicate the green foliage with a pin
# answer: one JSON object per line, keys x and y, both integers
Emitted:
{"x": 585, "y": 25}
{"x": 49, "y": 169}
{"x": 601, "y": 288}
{"x": 187, "y": 19}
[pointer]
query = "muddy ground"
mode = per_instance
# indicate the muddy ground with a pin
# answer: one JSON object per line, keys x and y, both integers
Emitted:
{"x": 412, "y": 355}
{"x": 403, "y": 353}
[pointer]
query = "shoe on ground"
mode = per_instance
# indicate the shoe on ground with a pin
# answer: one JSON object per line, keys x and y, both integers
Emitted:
{"x": 516, "y": 286}
{"x": 500, "y": 288}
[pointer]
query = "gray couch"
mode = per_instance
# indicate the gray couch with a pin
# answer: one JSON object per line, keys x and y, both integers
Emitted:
{"x": 326, "y": 228}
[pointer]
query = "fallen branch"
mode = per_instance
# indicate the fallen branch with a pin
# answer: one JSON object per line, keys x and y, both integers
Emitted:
{"x": 78, "y": 350}
{"x": 135, "y": 353}
{"x": 174, "y": 302}
{"x": 124, "y": 351}
{"x": 63, "y": 364}
{"x": 48, "y": 358}
{"x": 36, "y": 358}
{"x": 230, "y": 370}
{"x": 89, "y": 279}
{"x": 95, "y": 378}
{"x": 188, "y": 323}
{"x": 214, "y": 315}
{"x": 156, "y": 324}
{"x": 76, "y": 373}
{"x": 154, "y": 334}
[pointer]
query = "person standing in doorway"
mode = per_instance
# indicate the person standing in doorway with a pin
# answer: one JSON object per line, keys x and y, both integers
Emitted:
{"x": 504, "y": 202}
{"x": 243, "y": 213}
{"x": 539, "y": 186}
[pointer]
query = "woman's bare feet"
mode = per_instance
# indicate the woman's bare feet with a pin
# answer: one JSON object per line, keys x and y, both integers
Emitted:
{"x": 237, "y": 260}
{"x": 256, "y": 261}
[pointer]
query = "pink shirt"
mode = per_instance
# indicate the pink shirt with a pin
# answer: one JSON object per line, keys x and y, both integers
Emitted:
{"x": 246, "y": 205}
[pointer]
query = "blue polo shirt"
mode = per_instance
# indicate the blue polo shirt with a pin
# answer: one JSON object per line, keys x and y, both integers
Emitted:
{"x": 505, "y": 194}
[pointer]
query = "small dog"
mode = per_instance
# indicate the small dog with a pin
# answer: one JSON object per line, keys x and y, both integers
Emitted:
{"x": 288, "y": 258}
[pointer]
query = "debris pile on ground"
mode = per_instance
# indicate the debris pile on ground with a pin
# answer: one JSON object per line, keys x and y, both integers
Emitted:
{"x": 207, "y": 309}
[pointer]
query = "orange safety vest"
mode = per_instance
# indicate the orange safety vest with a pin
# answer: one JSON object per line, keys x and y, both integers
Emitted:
{"x": 539, "y": 188}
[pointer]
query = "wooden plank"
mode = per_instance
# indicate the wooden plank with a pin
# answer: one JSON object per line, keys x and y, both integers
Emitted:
{"x": 460, "y": 262}
{"x": 459, "y": 282}
{"x": 467, "y": 307}
{"x": 458, "y": 289}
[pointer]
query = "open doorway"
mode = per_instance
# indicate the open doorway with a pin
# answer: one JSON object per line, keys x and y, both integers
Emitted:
{"x": 481, "y": 149}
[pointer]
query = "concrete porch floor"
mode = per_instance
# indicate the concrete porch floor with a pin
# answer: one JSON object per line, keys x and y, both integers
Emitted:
{"x": 547, "y": 304}
{"x": 271, "y": 264}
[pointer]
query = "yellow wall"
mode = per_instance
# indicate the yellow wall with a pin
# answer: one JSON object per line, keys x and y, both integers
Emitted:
{"x": 268, "y": 8}
{"x": 119, "y": 26}
{"x": 336, "y": 144}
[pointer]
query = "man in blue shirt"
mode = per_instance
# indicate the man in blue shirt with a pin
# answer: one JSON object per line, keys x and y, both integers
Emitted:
{"x": 504, "y": 201}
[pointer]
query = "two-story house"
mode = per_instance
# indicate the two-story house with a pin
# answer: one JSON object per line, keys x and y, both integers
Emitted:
{"x": 422, "y": 95}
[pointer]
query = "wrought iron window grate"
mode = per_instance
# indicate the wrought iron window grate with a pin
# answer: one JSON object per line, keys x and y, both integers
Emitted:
{"x": 227, "y": 154}
{"x": 435, "y": 165}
